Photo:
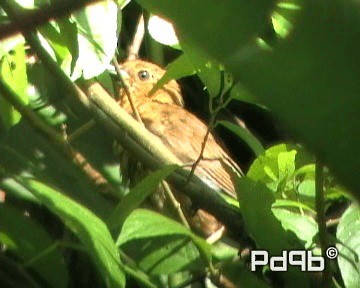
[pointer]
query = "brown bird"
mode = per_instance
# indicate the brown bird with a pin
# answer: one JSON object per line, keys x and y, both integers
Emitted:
{"x": 182, "y": 132}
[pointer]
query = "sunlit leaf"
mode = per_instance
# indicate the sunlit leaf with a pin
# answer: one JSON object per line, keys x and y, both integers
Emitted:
{"x": 13, "y": 73}
{"x": 141, "y": 223}
{"x": 348, "y": 233}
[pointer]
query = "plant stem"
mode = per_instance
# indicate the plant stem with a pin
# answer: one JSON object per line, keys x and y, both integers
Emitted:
{"x": 320, "y": 209}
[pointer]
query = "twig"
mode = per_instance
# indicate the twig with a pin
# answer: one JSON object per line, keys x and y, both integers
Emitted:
{"x": 175, "y": 203}
{"x": 214, "y": 113}
{"x": 216, "y": 236}
{"x": 82, "y": 129}
{"x": 203, "y": 145}
{"x": 29, "y": 19}
{"x": 320, "y": 210}
{"x": 332, "y": 222}
{"x": 127, "y": 90}
{"x": 133, "y": 50}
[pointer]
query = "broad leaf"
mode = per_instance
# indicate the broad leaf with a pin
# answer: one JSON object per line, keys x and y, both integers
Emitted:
{"x": 92, "y": 232}
{"x": 348, "y": 233}
{"x": 149, "y": 229}
{"x": 33, "y": 245}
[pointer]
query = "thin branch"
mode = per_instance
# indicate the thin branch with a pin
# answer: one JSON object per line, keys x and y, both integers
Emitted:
{"x": 175, "y": 203}
{"x": 320, "y": 210}
{"x": 30, "y": 19}
{"x": 133, "y": 50}
{"x": 216, "y": 236}
{"x": 332, "y": 222}
{"x": 203, "y": 145}
{"x": 81, "y": 130}
{"x": 127, "y": 90}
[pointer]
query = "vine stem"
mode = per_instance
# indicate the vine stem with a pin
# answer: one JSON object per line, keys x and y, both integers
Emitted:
{"x": 320, "y": 210}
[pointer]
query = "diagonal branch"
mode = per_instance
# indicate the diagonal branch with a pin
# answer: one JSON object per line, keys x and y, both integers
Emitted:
{"x": 30, "y": 19}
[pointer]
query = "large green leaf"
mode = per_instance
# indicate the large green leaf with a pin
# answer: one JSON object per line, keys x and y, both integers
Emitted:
{"x": 180, "y": 67}
{"x": 92, "y": 232}
{"x": 311, "y": 81}
{"x": 98, "y": 25}
{"x": 304, "y": 226}
{"x": 219, "y": 27}
{"x": 162, "y": 245}
{"x": 32, "y": 244}
{"x": 256, "y": 201}
{"x": 348, "y": 233}
{"x": 266, "y": 230}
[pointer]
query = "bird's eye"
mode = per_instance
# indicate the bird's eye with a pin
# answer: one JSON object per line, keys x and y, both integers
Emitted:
{"x": 143, "y": 75}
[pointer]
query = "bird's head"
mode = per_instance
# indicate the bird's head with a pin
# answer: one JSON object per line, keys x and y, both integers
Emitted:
{"x": 141, "y": 76}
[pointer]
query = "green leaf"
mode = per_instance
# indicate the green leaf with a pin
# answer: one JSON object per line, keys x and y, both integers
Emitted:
{"x": 69, "y": 33}
{"x": 311, "y": 81}
{"x": 98, "y": 26}
{"x": 92, "y": 232}
{"x": 179, "y": 68}
{"x": 207, "y": 68}
{"x": 266, "y": 230}
{"x": 256, "y": 202}
{"x": 56, "y": 41}
{"x": 274, "y": 166}
{"x": 141, "y": 225}
{"x": 165, "y": 254}
{"x": 245, "y": 135}
{"x": 137, "y": 195}
{"x": 348, "y": 233}
{"x": 238, "y": 273}
{"x": 239, "y": 92}
{"x": 13, "y": 73}
{"x": 32, "y": 244}
{"x": 304, "y": 226}
{"x": 212, "y": 24}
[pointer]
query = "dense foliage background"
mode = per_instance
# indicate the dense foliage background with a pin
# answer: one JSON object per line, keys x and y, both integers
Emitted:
{"x": 288, "y": 69}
